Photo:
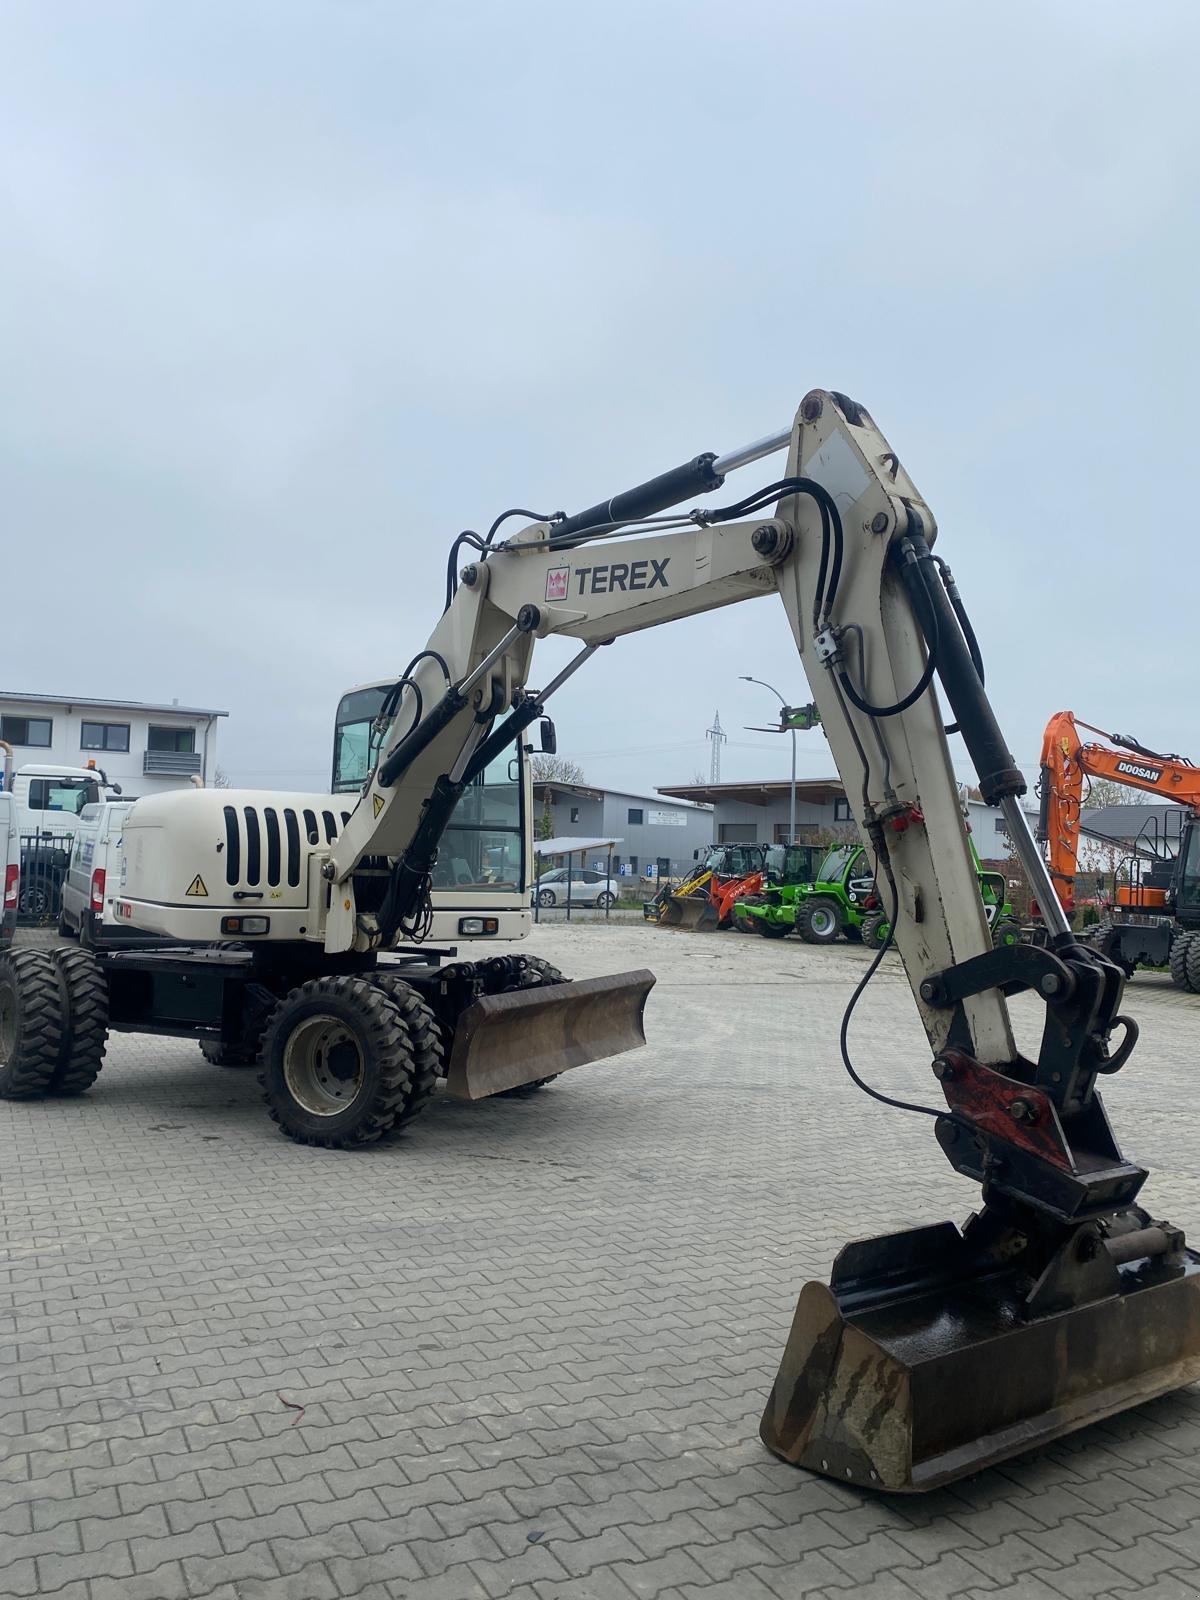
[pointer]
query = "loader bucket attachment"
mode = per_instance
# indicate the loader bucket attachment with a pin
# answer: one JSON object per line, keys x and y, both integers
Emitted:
{"x": 914, "y": 1368}
{"x": 505, "y": 1040}
{"x": 697, "y": 914}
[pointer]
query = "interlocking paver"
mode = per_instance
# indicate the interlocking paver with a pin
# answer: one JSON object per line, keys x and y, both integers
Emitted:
{"x": 532, "y": 1338}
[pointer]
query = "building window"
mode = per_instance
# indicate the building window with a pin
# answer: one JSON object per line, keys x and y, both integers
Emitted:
{"x": 842, "y": 812}
{"x": 181, "y": 740}
{"x": 737, "y": 833}
{"x": 34, "y": 731}
{"x": 574, "y": 813}
{"x": 1000, "y": 827}
{"x": 783, "y": 834}
{"x": 634, "y": 817}
{"x": 104, "y": 736}
{"x": 633, "y": 866}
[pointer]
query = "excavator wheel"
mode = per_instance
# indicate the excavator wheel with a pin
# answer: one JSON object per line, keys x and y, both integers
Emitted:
{"x": 339, "y": 1060}
{"x": 875, "y": 929}
{"x": 818, "y": 921}
{"x": 1192, "y": 962}
{"x": 217, "y": 1054}
{"x": 428, "y": 1064}
{"x": 85, "y": 1036}
{"x": 538, "y": 974}
{"x": 1007, "y": 931}
{"x": 1181, "y": 946}
{"x": 772, "y": 930}
{"x": 32, "y": 1023}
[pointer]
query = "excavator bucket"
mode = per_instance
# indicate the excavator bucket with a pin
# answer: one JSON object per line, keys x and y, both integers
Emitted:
{"x": 914, "y": 1368}
{"x": 505, "y": 1040}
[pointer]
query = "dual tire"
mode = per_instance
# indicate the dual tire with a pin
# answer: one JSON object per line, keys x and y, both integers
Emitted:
{"x": 346, "y": 1060}
{"x": 53, "y": 1023}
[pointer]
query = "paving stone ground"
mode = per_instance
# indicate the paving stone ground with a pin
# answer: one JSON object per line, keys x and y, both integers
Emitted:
{"x": 531, "y": 1339}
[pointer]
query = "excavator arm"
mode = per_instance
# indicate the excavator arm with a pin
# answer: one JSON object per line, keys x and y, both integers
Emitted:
{"x": 934, "y": 1351}
{"x": 1067, "y": 761}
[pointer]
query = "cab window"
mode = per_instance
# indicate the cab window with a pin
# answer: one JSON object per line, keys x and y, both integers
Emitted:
{"x": 60, "y": 794}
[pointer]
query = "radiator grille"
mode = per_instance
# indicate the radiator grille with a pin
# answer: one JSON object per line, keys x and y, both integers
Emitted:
{"x": 281, "y": 836}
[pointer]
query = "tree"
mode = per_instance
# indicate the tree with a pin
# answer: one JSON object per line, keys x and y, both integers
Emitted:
{"x": 553, "y": 769}
{"x": 556, "y": 769}
{"x": 221, "y": 779}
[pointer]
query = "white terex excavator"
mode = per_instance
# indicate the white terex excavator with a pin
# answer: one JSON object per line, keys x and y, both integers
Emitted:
{"x": 932, "y": 1352}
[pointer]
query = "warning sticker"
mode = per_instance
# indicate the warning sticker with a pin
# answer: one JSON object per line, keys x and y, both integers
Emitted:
{"x": 377, "y": 802}
{"x": 196, "y": 888}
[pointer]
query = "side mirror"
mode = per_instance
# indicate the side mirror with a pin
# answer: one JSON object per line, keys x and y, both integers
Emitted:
{"x": 549, "y": 738}
{"x": 695, "y": 855}
{"x": 116, "y": 788}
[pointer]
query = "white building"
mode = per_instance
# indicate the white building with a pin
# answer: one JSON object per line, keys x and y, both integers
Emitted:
{"x": 145, "y": 748}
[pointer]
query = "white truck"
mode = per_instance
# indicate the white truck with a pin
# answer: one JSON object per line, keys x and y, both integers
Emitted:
{"x": 47, "y": 801}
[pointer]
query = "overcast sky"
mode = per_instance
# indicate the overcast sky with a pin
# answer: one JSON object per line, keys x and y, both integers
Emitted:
{"x": 291, "y": 293}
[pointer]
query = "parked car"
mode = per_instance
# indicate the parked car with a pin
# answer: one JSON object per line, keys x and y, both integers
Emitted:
{"x": 10, "y": 869}
{"x": 587, "y": 888}
{"x": 93, "y": 880}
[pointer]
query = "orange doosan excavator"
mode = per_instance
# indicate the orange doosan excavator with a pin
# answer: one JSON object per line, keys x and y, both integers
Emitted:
{"x": 1154, "y": 919}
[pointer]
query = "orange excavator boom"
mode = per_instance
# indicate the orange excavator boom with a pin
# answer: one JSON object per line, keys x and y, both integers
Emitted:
{"x": 1067, "y": 760}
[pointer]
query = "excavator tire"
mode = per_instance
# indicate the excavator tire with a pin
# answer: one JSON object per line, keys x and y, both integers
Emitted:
{"x": 85, "y": 1036}
{"x": 338, "y": 1063}
{"x": 818, "y": 921}
{"x": 425, "y": 1039}
{"x": 1181, "y": 944}
{"x": 218, "y": 1054}
{"x": 1006, "y": 932}
{"x": 772, "y": 930}
{"x": 875, "y": 929}
{"x": 1192, "y": 962}
{"x": 538, "y": 974}
{"x": 32, "y": 1023}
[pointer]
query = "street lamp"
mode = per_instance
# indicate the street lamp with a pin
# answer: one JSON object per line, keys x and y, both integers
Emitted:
{"x": 784, "y": 708}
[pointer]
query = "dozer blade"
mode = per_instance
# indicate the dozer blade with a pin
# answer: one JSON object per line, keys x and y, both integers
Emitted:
{"x": 911, "y": 1370}
{"x": 505, "y": 1040}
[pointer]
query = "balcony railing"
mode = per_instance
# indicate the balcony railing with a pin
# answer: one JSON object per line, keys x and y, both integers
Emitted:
{"x": 170, "y": 763}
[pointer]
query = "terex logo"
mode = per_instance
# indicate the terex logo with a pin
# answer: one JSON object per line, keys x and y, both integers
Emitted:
{"x": 557, "y": 582}
{"x": 1133, "y": 770}
{"x": 623, "y": 575}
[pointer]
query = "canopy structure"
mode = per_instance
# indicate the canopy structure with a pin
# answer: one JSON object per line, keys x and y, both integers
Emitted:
{"x": 563, "y": 848}
{"x": 570, "y": 846}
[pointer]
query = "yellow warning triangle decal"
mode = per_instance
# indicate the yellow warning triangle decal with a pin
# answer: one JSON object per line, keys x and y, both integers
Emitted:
{"x": 377, "y": 802}
{"x": 196, "y": 888}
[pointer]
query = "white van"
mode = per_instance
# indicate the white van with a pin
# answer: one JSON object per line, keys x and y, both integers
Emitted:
{"x": 93, "y": 879}
{"x": 10, "y": 869}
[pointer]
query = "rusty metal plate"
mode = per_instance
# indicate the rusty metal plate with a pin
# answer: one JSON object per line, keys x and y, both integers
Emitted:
{"x": 505, "y": 1040}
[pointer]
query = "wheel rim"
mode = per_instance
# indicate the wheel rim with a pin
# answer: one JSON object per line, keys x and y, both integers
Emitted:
{"x": 323, "y": 1066}
{"x": 546, "y": 898}
{"x": 822, "y": 922}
